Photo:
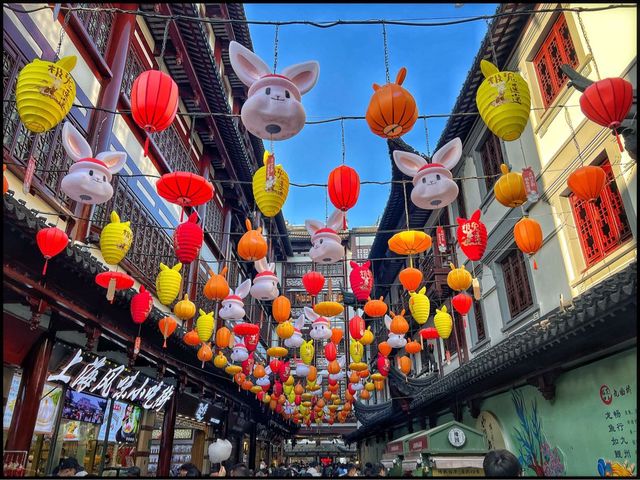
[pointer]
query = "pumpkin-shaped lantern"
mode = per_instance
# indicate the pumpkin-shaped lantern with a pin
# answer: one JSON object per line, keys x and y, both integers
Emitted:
{"x": 270, "y": 197}
{"x": 344, "y": 188}
{"x": 399, "y": 324}
{"x": 419, "y": 306}
{"x": 141, "y": 305}
{"x": 168, "y": 283}
{"x": 409, "y": 242}
{"x": 375, "y": 308}
{"x": 115, "y": 240}
{"x": 392, "y": 111}
{"x": 587, "y": 182}
{"x": 45, "y": 92}
{"x": 509, "y": 188}
{"x": 472, "y": 236}
{"x": 313, "y": 282}
{"x": 410, "y": 278}
{"x": 412, "y": 347}
{"x": 223, "y": 337}
{"x": 154, "y": 102}
{"x": 185, "y": 309}
{"x": 204, "y": 353}
{"x": 252, "y": 246}
{"x": 528, "y": 236}
{"x": 404, "y": 363}
{"x": 458, "y": 279}
{"x": 217, "y": 287}
{"x": 204, "y": 325}
{"x": 220, "y": 361}
{"x": 51, "y": 241}
{"x": 191, "y": 338}
{"x": 443, "y": 322}
{"x": 187, "y": 239}
{"x": 361, "y": 279}
{"x": 281, "y": 309}
{"x": 503, "y": 101}
{"x": 284, "y": 330}
{"x": 167, "y": 326}
{"x": 384, "y": 348}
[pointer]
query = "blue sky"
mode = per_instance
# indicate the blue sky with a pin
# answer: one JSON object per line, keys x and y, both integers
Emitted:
{"x": 351, "y": 58}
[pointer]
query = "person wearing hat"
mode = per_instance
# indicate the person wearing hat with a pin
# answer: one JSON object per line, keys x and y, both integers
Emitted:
{"x": 70, "y": 467}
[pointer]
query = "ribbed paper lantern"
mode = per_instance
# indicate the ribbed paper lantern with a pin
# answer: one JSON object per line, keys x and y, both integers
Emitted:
{"x": 356, "y": 327}
{"x": 270, "y": 202}
{"x": 113, "y": 281}
{"x": 375, "y": 308}
{"x": 167, "y": 326}
{"x": 223, "y": 337}
{"x": 184, "y": 188}
{"x": 410, "y": 278}
{"x": 503, "y": 101}
{"x": 392, "y": 111}
{"x": 313, "y": 282}
{"x": 399, "y": 324}
{"x": 361, "y": 280}
{"x": 458, "y": 279}
{"x": 330, "y": 352}
{"x": 528, "y": 236}
{"x": 367, "y": 337}
{"x": 185, "y": 309}
{"x": 344, "y": 188}
{"x": 252, "y": 245}
{"x": 115, "y": 240}
{"x": 410, "y": 242}
{"x": 462, "y": 303}
{"x": 281, "y": 309}
{"x": 154, "y": 102}
{"x": 187, "y": 239}
{"x": 509, "y": 188}
{"x": 429, "y": 333}
{"x": 443, "y": 322}
{"x": 419, "y": 306}
{"x": 587, "y": 182}
{"x": 168, "y": 283}
{"x": 51, "y": 241}
{"x": 141, "y": 304}
{"x": 204, "y": 325}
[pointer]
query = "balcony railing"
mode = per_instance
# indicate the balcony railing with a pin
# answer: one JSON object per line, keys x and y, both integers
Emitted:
{"x": 97, "y": 24}
{"x": 214, "y": 223}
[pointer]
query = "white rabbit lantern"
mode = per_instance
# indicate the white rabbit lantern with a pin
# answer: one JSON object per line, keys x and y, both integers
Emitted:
{"x": 232, "y": 305}
{"x": 273, "y": 110}
{"x": 395, "y": 340}
{"x": 433, "y": 185}
{"x": 320, "y": 326}
{"x": 240, "y": 352}
{"x": 89, "y": 178}
{"x": 302, "y": 369}
{"x": 265, "y": 284}
{"x": 326, "y": 245}
{"x": 295, "y": 340}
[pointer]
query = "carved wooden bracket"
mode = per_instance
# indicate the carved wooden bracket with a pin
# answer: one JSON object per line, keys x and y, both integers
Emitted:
{"x": 546, "y": 383}
{"x": 38, "y": 307}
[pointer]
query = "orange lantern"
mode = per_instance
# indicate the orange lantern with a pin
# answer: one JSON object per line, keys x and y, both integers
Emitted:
{"x": 458, "y": 279}
{"x": 375, "y": 308}
{"x": 313, "y": 373}
{"x": 384, "y": 349}
{"x": 333, "y": 367}
{"x": 354, "y": 378}
{"x": 587, "y": 182}
{"x": 327, "y": 395}
{"x": 223, "y": 337}
{"x": 258, "y": 371}
{"x": 365, "y": 395}
{"x": 379, "y": 384}
{"x": 204, "y": 353}
{"x": 281, "y": 309}
{"x": 348, "y": 396}
{"x": 392, "y": 111}
{"x": 167, "y": 326}
{"x": 246, "y": 385}
{"x": 363, "y": 373}
{"x": 252, "y": 246}
{"x": 528, "y": 235}
{"x": 405, "y": 364}
{"x": 298, "y": 389}
{"x": 333, "y": 388}
{"x": 412, "y": 347}
{"x": 410, "y": 278}
{"x": 239, "y": 378}
{"x": 336, "y": 335}
{"x": 399, "y": 324}
{"x": 410, "y": 242}
{"x": 217, "y": 287}
{"x": 191, "y": 338}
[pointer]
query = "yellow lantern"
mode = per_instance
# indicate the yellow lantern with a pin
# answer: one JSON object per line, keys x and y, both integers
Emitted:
{"x": 256, "y": 389}
{"x": 410, "y": 242}
{"x": 277, "y": 352}
{"x": 306, "y": 352}
{"x": 233, "y": 369}
{"x": 328, "y": 309}
{"x": 204, "y": 325}
{"x": 367, "y": 337}
{"x": 185, "y": 309}
{"x": 115, "y": 240}
{"x": 458, "y": 279}
{"x": 419, "y": 305}
{"x": 377, "y": 377}
{"x": 270, "y": 201}
{"x": 168, "y": 283}
{"x": 503, "y": 101}
{"x": 356, "y": 350}
{"x": 220, "y": 360}
{"x": 369, "y": 386}
{"x": 509, "y": 188}
{"x": 358, "y": 366}
{"x": 45, "y": 92}
{"x": 443, "y": 322}
{"x": 284, "y": 330}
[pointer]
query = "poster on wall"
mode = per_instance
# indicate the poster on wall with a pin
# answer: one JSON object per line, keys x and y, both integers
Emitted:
{"x": 71, "y": 431}
{"x": 125, "y": 423}
{"x": 84, "y": 408}
{"x": 47, "y": 412}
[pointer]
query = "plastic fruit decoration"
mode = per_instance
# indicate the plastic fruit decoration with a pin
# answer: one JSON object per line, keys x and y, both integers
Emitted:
{"x": 252, "y": 245}
{"x": 270, "y": 198}
{"x": 405, "y": 364}
{"x": 168, "y": 283}
{"x": 273, "y": 110}
{"x": 204, "y": 353}
{"x": 503, "y": 101}
{"x": 344, "y": 188}
{"x": 462, "y": 303}
{"x": 191, "y": 338}
{"x": 384, "y": 348}
{"x": 472, "y": 236}
{"x": 233, "y": 305}
{"x": 509, "y": 188}
{"x": 409, "y": 242}
{"x": 281, "y": 309}
{"x": 410, "y": 278}
{"x": 113, "y": 281}
{"x": 429, "y": 333}
{"x": 419, "y": 306}
{"x": 89, "y": 178}
{"x": 45, "y": 92}
{"x": 115, "y": 240}
{"x": 187, "y": 239}
{"x": 433, "y": 185}
{"x": 216, "y": 287}
{"x": 306, "y": 352}
{"x": 204, "y": 325}
{"x": 330, "y": 352}
{"x": 412, "y": 347}
{"x": 443, "y": 322}
{"x": 528, "y": 235}
{"x": 313, "y": 282}
{"x": 154, "y": 102}
{"x": 265, "y": 283}
{"x": 356, "y": 327}
{"x": 167, "y": 326}
{"x": 223, "y": 337}
{"x": 587, "y": 182}
{"x": 458, "y": 279}
{"x": 326, "y": 245}
{"x": 383, "y": 364}
{"x": 367, "y": 337}
{"x": 392, "y": 111}
{"x": 141, "y": 304}
{"x": 284, "y": 330}
{"x": 607, "y": 102}
{"x": 51, "y": 241}
{"x": 336, "y": 335}
{"x": 361, "y": 279}
{"x": 220, "y": 360}
{"x": 185, "y": 309}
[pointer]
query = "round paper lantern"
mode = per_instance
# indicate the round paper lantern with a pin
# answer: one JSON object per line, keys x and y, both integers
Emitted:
{"x": 270, "y": 198}
{"x": 204, "y": 353}
{"x": 168, "y": 283}
{"x": 472, "y": 236}
{"x": 330, "y": 352}
{"x": 284, "y": 330}
{"x": 503, "y": 101}
{"x": 51, "y": 241}
{"x": 399, "y": 324}
{"x": 217, "y": 287}
{"x": 184, "y": 188}
{"x": 204, "y": 325}
{"x": 252, "y": 245}
{"x": 410, "y": 278}
{"x": 587, "y": 182}
{"x": 187, "y": 239}
{"x": 429, "y": 333}
{"x": 220, "y": 361}
{"x": 405, "y": 364}
{"x": 336, "y": 335}
{"x": 443, "y": 322}
{"x": 462, "y": 303}
{"x": 328, "y": 309}
{"x": 278, "y": 352}
{"x": 113, "y": 281}
{"x": 281, "y": 309}
{"x": 384, "y": 349}
{"x": 313, "y": 282}
{"x": 344, "y": 188}
{"x": 154, "y": 102}
{"x": 383, "y": 364}
{"x": 223, "y": 337}
{"x": 392, "y": 111}
{"x": 115, "y": 240}
{"x": 375, "y": 308}
{"x": 45, "y": 92}
{"x": 191, "y": 338}
{"x": 367, "y": 337}
{"x": 242, "y": 329}
{"x": 509, "y": 188}
{"x": 528, "y": 235}
{"x": 167, "y": 326}
{"x": 356, "y": 327}
{"x": 458, "y": 279}
{"x": 607, "y": 102}
{"x": 410, "y": 242}
{"x": 185, "y": 309}
{"x": 361, "y": 279}
{"x": 419, "y": 306}
{"x": 412, "y": 347}
{"x": 141, "y": 304}
{"x": 233, "y": 369}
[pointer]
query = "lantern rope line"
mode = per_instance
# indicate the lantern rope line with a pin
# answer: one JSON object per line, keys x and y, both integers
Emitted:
{"x": 386, "y": 52}
{"x": 275, "y": 50}
{"x": 62, "y": 34}
{"x": 567, "y": 117}
{"x": 426, "y": 134}
{"x": 524, "y": 157}
{"x": 342, "y": 138}
{"x": 165, "y": 35}
{"x": 493, "y": 48}
{"x": 586, "y": 39}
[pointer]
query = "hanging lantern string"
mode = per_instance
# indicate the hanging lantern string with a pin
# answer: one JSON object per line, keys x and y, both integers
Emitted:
{"x": 275, "y": 52}
{"x": 586, "y": 39}
{"x": 524, "y": 157}
{"x": 493, "y": 48}
{"x": 62, "y": 34}
{"x": 191, "y": 130}
{"x": 573, "y": 135}
{"x": 343, "y": 146}
{"x": 386, "y": 52}
{"x": 165, "y": 35}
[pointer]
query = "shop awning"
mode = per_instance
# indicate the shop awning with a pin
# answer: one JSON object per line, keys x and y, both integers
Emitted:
{"x": 388, "y": 460}
{"x": 410, "y": 462}
{"x": 457, "y": 462}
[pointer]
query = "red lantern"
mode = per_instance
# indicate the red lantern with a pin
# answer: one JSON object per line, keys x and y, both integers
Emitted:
{"x": 185, "y": 189}
{"x": 351, "y": 389}
{"x": 332, "y": 382}
{"x": 284, "y": 371}
{"x": 607, "y": 102}
{"x": 356, "y": 327}
{"x": 51, "y": 241}
{"x": 113, "y": 281}
{"x": 187, "y": 239}
{"x": 313, "y": 282}
{"x": 384, "y": 366}
{"x": 275, "y": 365}
{"x": 361, "y": 280}
{"x": 141, "y": 305}
{"x": 472, "y": 236}
{"x": 277, "y": 389}
{"x": 429, "y": 333}
{"x": 330, "y": 351}
{"x": 462, "y": 303}
{"x": 154, "y": 102}
{"x": 344, "y": 189}
{"x": 247, "y": 365}
{"x": 242, "y": 329}
{"x": 251, "y": 341}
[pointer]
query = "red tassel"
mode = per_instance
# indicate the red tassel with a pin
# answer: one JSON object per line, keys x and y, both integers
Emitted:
{"x": 146, "y": 146}
{"x": 344, "y": 221}
{"x": 615, "y": 130}
{"x": 535, "y": 264}
{"x": 44, "y": 270}
{"x": 164, "y": 345}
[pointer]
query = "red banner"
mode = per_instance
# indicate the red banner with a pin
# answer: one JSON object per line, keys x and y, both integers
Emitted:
{"x": 28, "y": 176}
{"x": 441, "y": 240}
{"x": 271, "y": 173}
{"x": 530, "y": 184}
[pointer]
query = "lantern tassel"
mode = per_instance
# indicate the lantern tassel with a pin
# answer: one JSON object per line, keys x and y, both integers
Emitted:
{"x": 535, "y": 264}
{"x": 464, "y": 322}
{"x": 44, "y": 270}
{"x": 164, "y": 345}
{"x": 146, "y": 145}
{"x": 615, "y": 130}
{"x": 111, "y": 289}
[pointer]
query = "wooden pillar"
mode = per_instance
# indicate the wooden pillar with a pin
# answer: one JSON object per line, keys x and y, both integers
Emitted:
{"x": 197, "y": 451}
{"x": 252, "y": 447}
{"x": 166, "y": 438}
{"x": 25, "y": 412}
{"x": 144, "y": 441}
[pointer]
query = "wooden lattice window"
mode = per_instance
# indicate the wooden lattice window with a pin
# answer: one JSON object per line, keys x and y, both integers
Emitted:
{"x": 516, "y": 282}
{"x": 97, "y": 23}
{"x": 602, "y": 224}
{"x": 479, "y": 319}
{"x": 491, "y": 160}
{"x": 556, "y": 50}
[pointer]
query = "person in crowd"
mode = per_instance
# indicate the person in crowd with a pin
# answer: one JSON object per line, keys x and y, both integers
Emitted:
{"x": 188, "y": 470}
{"x": 218, "y": 471}
{"x": 132, "y": 472}
{"x": 352, "y": 471}
{"x": 501, "y": 463}
{"x": 69, "y": 467}
{"x": 240, "y": 470}
{"x": 379, "y": 470}
{"x": 313, "y": 469}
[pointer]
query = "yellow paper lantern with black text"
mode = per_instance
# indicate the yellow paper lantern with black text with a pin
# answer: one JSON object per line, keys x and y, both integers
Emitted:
{"x": 115, "y": 240}
{"x": 270, "y": 198}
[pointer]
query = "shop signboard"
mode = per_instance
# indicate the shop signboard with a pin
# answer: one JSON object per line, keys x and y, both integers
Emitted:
{"x": 112, "y": 382}
{"x": 49, "y": 403}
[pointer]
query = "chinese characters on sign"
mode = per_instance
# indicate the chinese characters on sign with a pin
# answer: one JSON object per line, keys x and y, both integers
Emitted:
{"x": 530, "y": 184}
{"x": 620, "y": 420}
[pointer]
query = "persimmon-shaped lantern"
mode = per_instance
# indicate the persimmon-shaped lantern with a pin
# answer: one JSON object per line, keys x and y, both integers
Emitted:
{"x": 187, "y": 239}
{"x": 191, "y": 338}
{"x": 367, "y": 337}
{"x": 412, "y": 347}
{"x": 115, "y": 240}
{"x": 409, "y": 242}
{"x": 204, "y": 325}
{"x": 344, "y": 188}
{"x": 336, "y": 335}
{"x": 330, "y": 352}
{"x": 220, "y": 361}
{"x": 51, "y": 241}
{"x": 361, "y": 279}
{"x": 252, "y": 246}
{"x": 419, "y": 306}
{"x": 384, "y": 348}
{"x": 167, "y": 325}
{"x": 509, "y": 188}
{"x": 399, "y": 324}
{"x": 607, "y": 102}
{"x": 113, "y": 281}
{"x": 270, "y": 197}
{"x": 141, "y": 304}
{"x": 405, "y": 364}
{"x": 223, "y": 337}
{"x": 185, "y": 309}
{"x": 587, "y": 182}
{"x": 472, "y": 236}
{"x": 281, "y": 309}
{"x": 375, "y": 308}
{"x": 443, "y": 322}
{"x": 217, "y": 287}
{"x": 503, "y": 101}
{"x": 356, "y": 327}
{"x": 392, "y": 111}
{"x": 313, "y": 282}
{"x": 528, "y": 236}
{"x": 458, "y": 279}
{"x": 154, "y": 102}
{"x": 284, "y": 330}
{"x": 168, "y": 283}
{"x": 462, "y": 303}
{"x": 204, "y": 353}
{"x": 333, "y": 367}
{"x": 410, "y": 278}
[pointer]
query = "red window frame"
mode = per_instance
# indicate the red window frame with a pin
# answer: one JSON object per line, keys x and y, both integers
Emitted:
{"x": 557, "y": 48}
{"x": 491, "y": 160}
{"x": 516, "y": 282}
{"x": 602, "y": 225}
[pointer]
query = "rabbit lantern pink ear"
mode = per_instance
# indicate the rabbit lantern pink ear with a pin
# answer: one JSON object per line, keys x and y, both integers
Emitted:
{"x": 449, "y": 155}
{"x": 248, "y": 66}
{"x": 113, "y": 160}
{"x": 303, "y": 75}
{"x": 74, "y": 143}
